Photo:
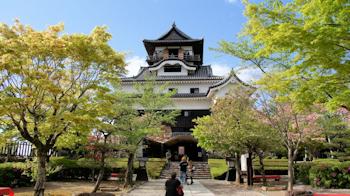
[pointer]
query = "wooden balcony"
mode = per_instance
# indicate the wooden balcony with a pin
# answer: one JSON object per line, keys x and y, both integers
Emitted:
{"x": 174, "y": 134}
{"x": 189, "y": 58}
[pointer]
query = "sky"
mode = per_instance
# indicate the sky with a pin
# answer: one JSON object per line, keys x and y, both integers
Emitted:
{"x": 131, "y": 21}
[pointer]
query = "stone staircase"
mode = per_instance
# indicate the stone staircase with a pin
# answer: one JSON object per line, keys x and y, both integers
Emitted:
{"x": 201, "y": 171}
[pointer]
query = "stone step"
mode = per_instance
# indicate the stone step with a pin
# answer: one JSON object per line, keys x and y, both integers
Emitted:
{"x": 202, "y": 170}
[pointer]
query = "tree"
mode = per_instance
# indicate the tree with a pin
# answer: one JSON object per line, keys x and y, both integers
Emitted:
{"x": 293, "y": 126}
{"x": 246, "y": 50}
{"x": 111, "y": 110}
{"x": 235, "y": 127}
{"x": 335, "y": 128}
{"x": 148, "y": 120}
{"x": 315, "y": 34}
{"x": 47, "y": 82}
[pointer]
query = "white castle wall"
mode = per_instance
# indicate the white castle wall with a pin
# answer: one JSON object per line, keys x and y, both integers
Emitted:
{"x": 181, "y": 87}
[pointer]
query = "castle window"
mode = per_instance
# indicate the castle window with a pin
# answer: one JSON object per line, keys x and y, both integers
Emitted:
{"x": 194, "y": 90}
{"x": 172, "y": 68}
{"x": 173, "y": 52}
{"x": 172, "y": 89}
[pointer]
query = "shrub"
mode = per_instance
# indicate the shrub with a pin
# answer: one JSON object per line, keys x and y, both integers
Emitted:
{"x": 14, "y": 174}
{"x": 60, "y": 168}
{"x": 330, "y": 175}
{"x": 302, "y": 172}
{"x": 324, "y": 173}
{"x": 155, "y": 167}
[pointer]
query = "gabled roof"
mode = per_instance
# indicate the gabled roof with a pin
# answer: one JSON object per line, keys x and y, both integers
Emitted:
{"x": 174, "y": 34}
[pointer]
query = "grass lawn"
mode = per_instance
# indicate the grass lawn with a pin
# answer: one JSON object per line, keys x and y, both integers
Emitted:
{"x": 154, "y": 165}
{"x": 218, "y": 166}
{"x": 272, "y": 164}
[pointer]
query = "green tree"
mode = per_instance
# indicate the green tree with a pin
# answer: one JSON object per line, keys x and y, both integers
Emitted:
{"x": 47, "y": 81}
{"x": 316, "y": 35}
{"x": 111, "y": 110}
{"x": 147, "y": 117}
{"x": 336, "y": 130}
{"x": 293, "y": 126}
{"x": 235, "y": 127}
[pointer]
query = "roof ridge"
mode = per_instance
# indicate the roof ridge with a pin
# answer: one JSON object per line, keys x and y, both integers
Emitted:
{"x": 174, "y": 28}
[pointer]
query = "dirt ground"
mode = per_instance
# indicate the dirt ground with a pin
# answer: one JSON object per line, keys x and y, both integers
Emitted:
{"x": 67, "y": 188}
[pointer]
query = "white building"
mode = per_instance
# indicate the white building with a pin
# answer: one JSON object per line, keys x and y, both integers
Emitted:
{"x": 177, "y": 59}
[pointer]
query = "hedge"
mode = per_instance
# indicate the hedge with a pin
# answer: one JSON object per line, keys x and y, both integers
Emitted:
{"x": 60, "y": 168}
{"x": 324, "y": 173}
{"x": 14, "y": 174}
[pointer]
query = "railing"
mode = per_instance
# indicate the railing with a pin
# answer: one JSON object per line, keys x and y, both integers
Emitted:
{"x": 192, "y": 57}
{"x": 157, "y": 58}
{"x": 173, "y": 134}
{"x": 20, "y": 149}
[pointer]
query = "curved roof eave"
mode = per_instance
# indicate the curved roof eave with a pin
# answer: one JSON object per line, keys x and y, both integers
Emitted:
{"x": 177, "y": 61}
{"x": 226, "y": 81}
{"x": 183, "y": 61}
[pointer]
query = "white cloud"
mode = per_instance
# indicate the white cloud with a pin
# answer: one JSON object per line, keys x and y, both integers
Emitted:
{"x": 231, "y": 1}
{"x": 249, "y": 74}
{"x": 220, "y": 69}
{"x": 133, "y": 65}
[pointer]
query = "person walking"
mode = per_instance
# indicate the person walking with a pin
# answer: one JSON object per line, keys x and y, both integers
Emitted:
{"x": 183, "y": 169}
{"x": 168, "y": 159}
{"x": 191, "y": 169}
{"x": 172, "y": 186}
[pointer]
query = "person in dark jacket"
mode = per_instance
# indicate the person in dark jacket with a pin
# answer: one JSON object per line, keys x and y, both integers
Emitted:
{"x": 183, "y": 169}
{"x": 171, "y": 185}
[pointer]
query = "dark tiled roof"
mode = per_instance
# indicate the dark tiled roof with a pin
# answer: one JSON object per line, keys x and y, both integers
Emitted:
{"x": 174, "y": 34}
{"x": 202, "y": 73}
{"x": 228, "y": 78}
{"x": 172, "y": 41}
{"x": 184, "y": 95}
{"x": 175, "y": 37}
{"x": 221, "y": 82}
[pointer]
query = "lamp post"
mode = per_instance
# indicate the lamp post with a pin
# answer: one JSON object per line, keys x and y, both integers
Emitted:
{"x": 230, "y": 161}
{"x": 142, "y": 171}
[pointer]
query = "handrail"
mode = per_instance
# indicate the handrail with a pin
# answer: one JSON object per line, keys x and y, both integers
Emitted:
{"x": 157, "y": 58}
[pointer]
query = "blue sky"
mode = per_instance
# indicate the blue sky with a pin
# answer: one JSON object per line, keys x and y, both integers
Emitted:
{"x": 131, "y": 21}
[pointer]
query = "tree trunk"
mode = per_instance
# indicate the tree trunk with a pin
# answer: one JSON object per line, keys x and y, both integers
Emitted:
{"x": 129, "y": 171}
{"x": 262, "y": 169}
{"x": 101, "y": 173}
{"x": 331, "y": 151}
{"x": 238, "y": 169}
{"x": 93, "y": 175}
{"x": 250, "y": 170}
{"x": 39, "y": 187}
{"x": 290, "y": 171}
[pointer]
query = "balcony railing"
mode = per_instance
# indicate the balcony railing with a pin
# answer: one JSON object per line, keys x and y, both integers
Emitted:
{"x": 190, "y": 58}
{"x": 173, "y": 134}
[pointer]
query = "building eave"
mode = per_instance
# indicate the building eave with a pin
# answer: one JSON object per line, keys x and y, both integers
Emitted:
{"x": 172, "y": 62}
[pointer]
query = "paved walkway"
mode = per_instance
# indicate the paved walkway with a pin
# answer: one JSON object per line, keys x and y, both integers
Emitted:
{"x": 199, "y": 188}
{"x": 156, "y": 188}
